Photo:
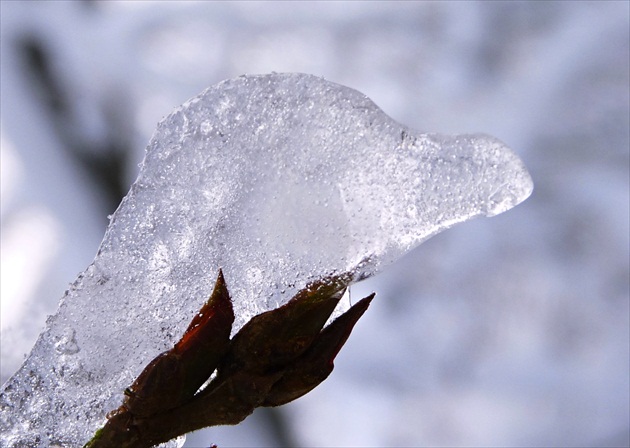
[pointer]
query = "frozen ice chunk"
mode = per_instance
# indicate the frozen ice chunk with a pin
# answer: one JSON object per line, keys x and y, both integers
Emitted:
{"x": 278, "y": 179}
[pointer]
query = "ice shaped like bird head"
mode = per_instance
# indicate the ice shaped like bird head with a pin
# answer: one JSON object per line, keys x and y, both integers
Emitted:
{"x": 316, "y": 178}
{"x": 281, "y": 179}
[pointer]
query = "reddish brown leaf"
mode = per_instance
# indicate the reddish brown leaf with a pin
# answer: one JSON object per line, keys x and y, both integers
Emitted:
{"x": 174, "y": 376}
{"x": 314, "y": 366}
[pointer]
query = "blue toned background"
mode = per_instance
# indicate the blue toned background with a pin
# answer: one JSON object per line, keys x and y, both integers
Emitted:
{"x": 510, "y": 331}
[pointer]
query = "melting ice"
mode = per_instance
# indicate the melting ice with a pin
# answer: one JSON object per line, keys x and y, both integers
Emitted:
{"x": 278, "y": 179}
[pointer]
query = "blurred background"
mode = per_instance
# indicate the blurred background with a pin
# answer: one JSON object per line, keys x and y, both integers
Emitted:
{"x": 510, "y": 331}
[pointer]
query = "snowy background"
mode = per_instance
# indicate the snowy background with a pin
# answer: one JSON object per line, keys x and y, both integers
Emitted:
{"x": 510, "y": 331}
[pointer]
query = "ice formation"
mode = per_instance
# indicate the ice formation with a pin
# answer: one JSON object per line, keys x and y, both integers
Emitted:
{"x": 277, "y": 179}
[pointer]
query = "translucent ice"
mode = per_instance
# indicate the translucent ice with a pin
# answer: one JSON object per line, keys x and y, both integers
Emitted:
{"x": 278, "y": 179}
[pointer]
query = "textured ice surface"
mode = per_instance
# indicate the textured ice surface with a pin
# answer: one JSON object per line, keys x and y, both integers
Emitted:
{"x": 278, "y": 179}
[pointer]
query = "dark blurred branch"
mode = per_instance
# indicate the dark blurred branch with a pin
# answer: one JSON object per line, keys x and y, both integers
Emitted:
{"x": 104, "y": 161}
{"x": 277, "y": 423}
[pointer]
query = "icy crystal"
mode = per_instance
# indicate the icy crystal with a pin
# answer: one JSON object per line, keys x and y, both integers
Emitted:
{"x": 278, "y": 179}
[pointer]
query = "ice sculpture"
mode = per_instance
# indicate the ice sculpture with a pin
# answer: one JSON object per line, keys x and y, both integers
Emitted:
{"x": 279, "y": 180}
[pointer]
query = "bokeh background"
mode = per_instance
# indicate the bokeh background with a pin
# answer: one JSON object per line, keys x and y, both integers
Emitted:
{"x": 510, "y": 331}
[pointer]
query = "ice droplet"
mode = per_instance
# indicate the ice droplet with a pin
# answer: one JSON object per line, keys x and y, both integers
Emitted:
{"x": 278, "y": 179}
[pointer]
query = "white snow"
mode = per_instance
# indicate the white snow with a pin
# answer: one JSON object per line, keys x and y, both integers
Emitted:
{"x": 277, "y": 179}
